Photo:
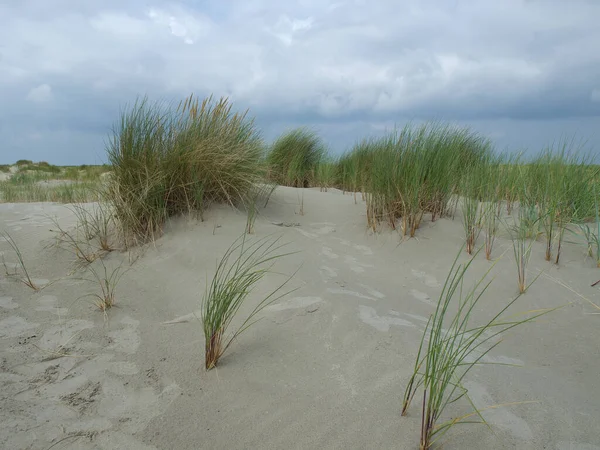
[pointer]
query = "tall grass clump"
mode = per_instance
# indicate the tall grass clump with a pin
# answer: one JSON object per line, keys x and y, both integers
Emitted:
{"x": 560, "y": 181}
{"x": 417, "y": 170}
{"x": 491, "y": 202}
{"x": 325, "y": 173}
{"x": 450, "y": 347}
{"x": 294, "y": 157}
{"x": 510, "y": 178}
{"x": 354, "y": 168}
{"x": 519, "y": 232}
{"x": 592, "y": 234}
{"x": 167, "y": 161}
{"x": 472, "y": 187}
{"x": 242, "y": 266}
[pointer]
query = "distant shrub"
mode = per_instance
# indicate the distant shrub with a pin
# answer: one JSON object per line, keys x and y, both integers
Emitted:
{"x": 47, "y": 168}
{"x": 294, "y": 158}
{"x": 71, "y": 173}
{"x": 24, "y": 162}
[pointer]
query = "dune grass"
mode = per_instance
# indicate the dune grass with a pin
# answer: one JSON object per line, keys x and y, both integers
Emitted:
{"x": 325, "y": 173}
{"x": 294, "y": 158}
{"x": 240, "y": 269}
{"x": 107, "y": 281}
{"x": 411, "y": 172}
{"x": 520, "y": 234}
{"x": 167, "y": 161}
{"x": 450, "y": 347}
{"x": 26, "y": 278}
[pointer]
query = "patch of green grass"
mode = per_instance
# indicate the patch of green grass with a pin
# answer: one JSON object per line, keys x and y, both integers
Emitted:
{"x": 40, "y": 167}
{"x": 325, "y": 173}
{"x": 162, "y": 158}
{"x": 24, "y": 188}
{"x": 411, "y": 172}
{"x": 450, "y": 347}
{"x": 294, "y": 158}
{"x": 242, "y": 266}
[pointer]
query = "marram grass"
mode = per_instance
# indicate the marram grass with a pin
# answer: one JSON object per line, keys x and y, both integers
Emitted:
{"x": 244, "y": 264}
{"x": 450, "y": 347}
{"x": 296, "y": 157}
{"x": 168, "y": 161}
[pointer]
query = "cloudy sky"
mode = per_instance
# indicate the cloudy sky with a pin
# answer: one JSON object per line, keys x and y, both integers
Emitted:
{"x": 523, "y": 72}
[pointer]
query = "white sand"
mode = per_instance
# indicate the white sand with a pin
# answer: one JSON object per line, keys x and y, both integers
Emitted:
{"x": 325, "y": 368}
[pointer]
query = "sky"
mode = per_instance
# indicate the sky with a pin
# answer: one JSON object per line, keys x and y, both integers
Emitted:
{"x": 525, "y": 73}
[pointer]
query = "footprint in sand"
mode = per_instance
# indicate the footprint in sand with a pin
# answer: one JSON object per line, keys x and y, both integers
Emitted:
{"x": 306, "y": 233}
{"x": 429, "y": 280}
{"x": 126, "y": 340}
{"x": 323, "y": 228}
{"x": 382, "y": 323}
{"x": 362, "y": 248}
{"x": 373, "y": 292}
{"x": 63, "y": 333}
{"x": 327, "y": 273}
{"x": 356, "y": 266}
{"x": 15, "y": 326}
{"x": 48, "y": 303}
{"x": 294, "y": 303}
{"x": 421, "y": 296}
{"x": 350, "y": 293}
{"x": 326, "y": 251}
{"x": 7, "y": 303}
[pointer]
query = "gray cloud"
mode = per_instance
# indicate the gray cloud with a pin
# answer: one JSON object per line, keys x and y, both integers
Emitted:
{"x": 522, "y": 72}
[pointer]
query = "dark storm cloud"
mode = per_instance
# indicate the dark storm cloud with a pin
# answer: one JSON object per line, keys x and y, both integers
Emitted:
{"x": 347, "y": 68}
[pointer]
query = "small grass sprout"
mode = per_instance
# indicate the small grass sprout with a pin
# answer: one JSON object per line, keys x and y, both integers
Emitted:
{"x": 107, "y": 281}
{"x": 26, "y": 279}
{"x": 242, "y": 266}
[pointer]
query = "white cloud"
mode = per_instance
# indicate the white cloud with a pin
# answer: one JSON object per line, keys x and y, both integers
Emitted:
{"x": 285, "y": 29}
{"x": 40, "y": 94}
{"x": 119, "y": 24}
{"x": 188, "y": 27}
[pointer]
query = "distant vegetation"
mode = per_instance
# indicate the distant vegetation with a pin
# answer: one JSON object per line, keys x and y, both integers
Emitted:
{"x": 44, "y": 182}
{"x": 166, "y": 161}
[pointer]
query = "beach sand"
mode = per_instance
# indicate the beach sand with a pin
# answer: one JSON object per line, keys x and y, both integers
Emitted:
{"x": 325, "y": 368}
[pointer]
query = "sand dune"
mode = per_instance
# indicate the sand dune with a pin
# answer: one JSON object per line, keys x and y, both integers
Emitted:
{"x": 325, "y": 368}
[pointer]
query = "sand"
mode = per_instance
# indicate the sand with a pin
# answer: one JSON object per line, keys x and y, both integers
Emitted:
{"x": 325, "y": 368}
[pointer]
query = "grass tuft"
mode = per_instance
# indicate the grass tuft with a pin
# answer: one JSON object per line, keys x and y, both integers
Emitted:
{"x": 26, "y": 279}
{"x": 167, "y": 161}
{"x": 242, "y": 266}
{"x": 450, "y": 347}
{"x": 296, "y": 159}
